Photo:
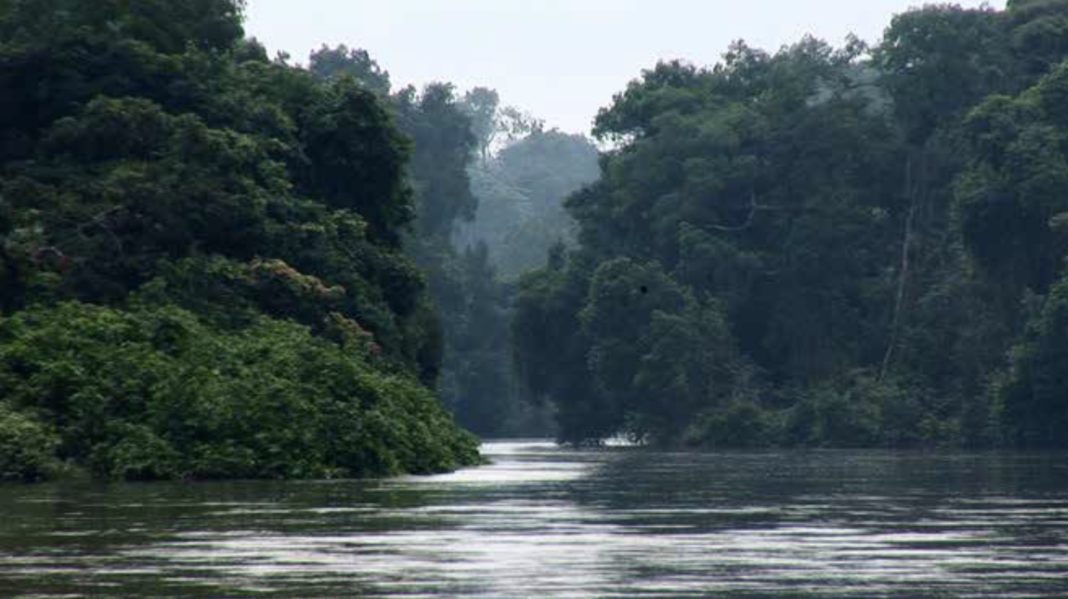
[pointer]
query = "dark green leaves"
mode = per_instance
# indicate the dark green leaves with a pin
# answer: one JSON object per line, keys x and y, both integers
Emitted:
{"x": 819, "y": 246}
{"x": 152, "y": 393}
{"x": 173, "y": 205}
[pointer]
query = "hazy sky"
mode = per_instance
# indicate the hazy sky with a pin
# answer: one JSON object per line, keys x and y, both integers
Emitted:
{"x": 559, "y": 59}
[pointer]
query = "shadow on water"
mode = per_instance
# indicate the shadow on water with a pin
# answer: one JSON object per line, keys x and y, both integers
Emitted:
{"x": 555, "y": 522}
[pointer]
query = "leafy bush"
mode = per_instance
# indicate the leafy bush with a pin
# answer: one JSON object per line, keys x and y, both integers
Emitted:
{"x": 862, "y": 411}
{"x": 152, "y": 393}
{"x": 27, "y": 448}
{"x": 741, "y": 424}
{"x": 830, "y": 417}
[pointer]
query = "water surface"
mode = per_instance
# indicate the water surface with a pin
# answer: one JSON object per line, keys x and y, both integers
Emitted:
{"x": 544, "y": 521}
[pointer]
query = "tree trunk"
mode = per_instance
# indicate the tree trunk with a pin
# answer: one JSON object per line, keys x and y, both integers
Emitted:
{"x": 903, "y": 274}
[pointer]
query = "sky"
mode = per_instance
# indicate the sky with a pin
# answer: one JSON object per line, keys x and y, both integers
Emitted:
{"x": 560, "y": 60}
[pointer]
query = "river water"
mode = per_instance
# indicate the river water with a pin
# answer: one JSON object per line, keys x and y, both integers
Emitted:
{"x": 543, "y": 521}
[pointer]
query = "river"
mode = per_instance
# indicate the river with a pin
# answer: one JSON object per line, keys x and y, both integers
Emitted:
{"x": 544, "y": 521}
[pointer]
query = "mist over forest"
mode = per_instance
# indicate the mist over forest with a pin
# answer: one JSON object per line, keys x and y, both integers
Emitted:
{"x": 218, "y": 264}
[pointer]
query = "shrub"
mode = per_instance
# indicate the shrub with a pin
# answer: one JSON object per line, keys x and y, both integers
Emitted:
{"x": 27, "y": 448}
{"x": 153, "y": 393}
{"x": 741, "y": 424}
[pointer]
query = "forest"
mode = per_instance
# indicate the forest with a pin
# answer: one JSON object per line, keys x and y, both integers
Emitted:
{"x": 218, "y": 264}
{"x": 201, "y": 263}
{"x": 830, "y": 247}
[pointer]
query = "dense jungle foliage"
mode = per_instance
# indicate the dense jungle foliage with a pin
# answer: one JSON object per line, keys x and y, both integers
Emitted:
{"x": 855, "y": 247}
{"x": 489, "y": 183}
{"x": 201, "y": 265}
{"x": 215, "y": 265}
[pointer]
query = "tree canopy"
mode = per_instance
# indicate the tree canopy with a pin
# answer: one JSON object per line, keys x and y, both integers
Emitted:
{"x": 821, "y": 246}
{"x": 201, "y": 267}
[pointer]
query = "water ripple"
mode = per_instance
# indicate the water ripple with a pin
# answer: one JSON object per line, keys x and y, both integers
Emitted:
{"x": 544, "y": 521}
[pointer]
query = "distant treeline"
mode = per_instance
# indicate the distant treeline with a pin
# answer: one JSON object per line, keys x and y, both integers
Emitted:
{"x": 854, "y": 247}
{"x": 489, "y": 183}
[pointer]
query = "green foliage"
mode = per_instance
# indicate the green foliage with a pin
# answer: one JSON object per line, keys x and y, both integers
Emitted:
{"x": 862, "y": 411}
{"x": 465, "y": 351}
{"x": 640, "y": 356}
{"x": 154, "y": 393}
{"x": 739, "y": 425}
{"x": 750, "y": 183}
{"x": 821, "y": 247}
{"x": 940, "y": 60}
{"x": 1038, "y": 33}
{"x": 520, "y": 194}
{"x": 763, "y": 204}
{"x": 1033, "y": 397}
{"x": 27, "y": 447}
{"x": 188, "y": 232}
{"x": 335, "y": 63}
{"x": 551, "y": 351}
{"x": 494, "y": 125}
{"x": 476, "y": 379}
{"x": 481, "y": 105}
{"x": 844, "y": 419}
{"x": 1011, "y": 195}
{"x": 444, "y": 144}
{"x": 357, "y": 157}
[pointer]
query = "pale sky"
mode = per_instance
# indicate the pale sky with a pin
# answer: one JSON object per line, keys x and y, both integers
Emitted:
{"x": 561, "y": 60}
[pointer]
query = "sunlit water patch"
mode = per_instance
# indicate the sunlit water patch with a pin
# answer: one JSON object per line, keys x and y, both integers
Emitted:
{"x": 543, "y": 521}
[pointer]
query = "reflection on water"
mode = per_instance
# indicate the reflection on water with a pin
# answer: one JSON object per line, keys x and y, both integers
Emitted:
{"x": 551, "y": 522}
